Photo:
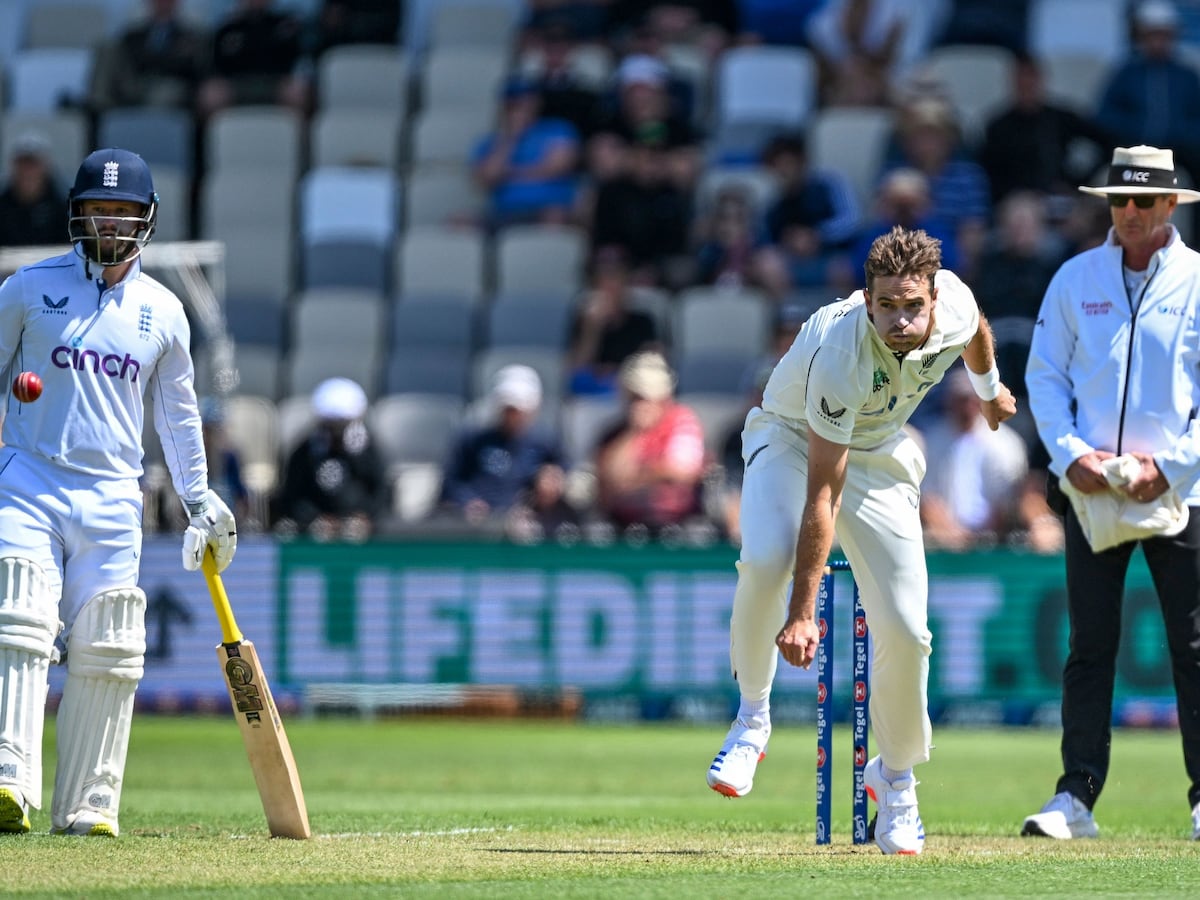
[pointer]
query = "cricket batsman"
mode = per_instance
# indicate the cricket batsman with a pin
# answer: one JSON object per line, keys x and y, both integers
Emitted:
{"x": 100, "y": 333}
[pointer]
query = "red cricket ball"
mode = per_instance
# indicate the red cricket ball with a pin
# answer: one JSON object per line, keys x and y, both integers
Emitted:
{"x": 27, "y": 387}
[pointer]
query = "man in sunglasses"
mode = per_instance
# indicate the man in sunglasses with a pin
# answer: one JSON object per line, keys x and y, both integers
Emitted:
{"x": 1114, "y": 385}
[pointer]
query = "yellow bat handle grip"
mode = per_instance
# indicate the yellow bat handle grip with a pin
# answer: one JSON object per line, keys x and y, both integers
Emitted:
{"x": 230, "y": 633}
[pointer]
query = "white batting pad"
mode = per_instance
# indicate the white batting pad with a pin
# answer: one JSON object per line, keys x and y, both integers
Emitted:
{"x": 105, "y": 658}
{"x": 28, "y": 625}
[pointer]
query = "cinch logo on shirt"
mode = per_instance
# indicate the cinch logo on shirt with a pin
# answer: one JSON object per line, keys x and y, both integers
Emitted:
{"x": 90, "y": 361}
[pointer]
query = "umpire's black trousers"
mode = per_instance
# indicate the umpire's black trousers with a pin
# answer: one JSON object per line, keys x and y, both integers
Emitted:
{"x": 1095, "y": 589}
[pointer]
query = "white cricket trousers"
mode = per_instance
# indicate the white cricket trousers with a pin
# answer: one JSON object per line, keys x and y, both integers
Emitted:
{"x": 879, "y": 527}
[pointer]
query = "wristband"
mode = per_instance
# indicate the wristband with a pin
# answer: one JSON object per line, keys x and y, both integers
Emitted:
{"x": 987, "y": 385}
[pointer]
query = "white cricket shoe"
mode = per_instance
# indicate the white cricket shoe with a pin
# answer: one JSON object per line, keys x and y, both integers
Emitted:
{"x": 732, "y": 770}
{"x": 14, "y": 817}
{"x": 1064, "y": 817}
{"x": 898, "y": 826}
{"x": 88, "y": 824}
{"x": 1196, "y": 822}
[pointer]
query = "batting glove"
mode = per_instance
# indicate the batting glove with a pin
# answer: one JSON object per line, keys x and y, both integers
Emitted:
{"x": 211, "y": 524}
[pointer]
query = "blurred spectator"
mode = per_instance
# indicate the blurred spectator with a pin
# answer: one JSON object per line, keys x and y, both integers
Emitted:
{"x": 565, "y": 94}
{"x": 731, "y": 244}
{"x": 645, "y": 212}
{"x": 357, "y": 22}
{"x": 1014, "y": 271}
{"x": 1154, "y": 96}
{"x": 158, "y": 60}
{"x": 527, "y": 164}
{"x": 1036, "y": 145}
{"x": 970, "y": 496}
{"x": 32, "y": 202}
{"x": 643, "y": 111}
{"x": 492, "y": 467}
{"x": 224, "y": 465}
{"x": 334, "y": 484}
{"x": 987, "y": 22}
{"x": 650, "y": 466}
{"x": 708, "y": 25}
{"x": 542, "y": 510}
{"x": 587, "y": 18}
{"x": 928, "y": 139}
{"x": 256, "y": 59}
{"x": 903, "y": 199}
{"x": 776, "y": 21}
{"x": 814, "y": 218}
{"x": 860, "y": 45}
{"x": 606, "y": 331}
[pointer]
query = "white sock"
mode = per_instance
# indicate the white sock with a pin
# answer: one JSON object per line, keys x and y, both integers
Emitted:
{"x": 894, "y": 775}
{"x": 755, "y": 713}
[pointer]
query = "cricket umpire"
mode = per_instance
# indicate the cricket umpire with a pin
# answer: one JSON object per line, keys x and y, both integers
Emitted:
{"x": 1114, "y": 386}
{"x": 101, "y": 334}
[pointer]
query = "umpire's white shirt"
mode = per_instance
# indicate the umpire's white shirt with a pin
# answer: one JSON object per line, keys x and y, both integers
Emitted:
{"x": 841, "y": 380}
{"x": 1110, "y": 371}
{"x": 98, "y": 350}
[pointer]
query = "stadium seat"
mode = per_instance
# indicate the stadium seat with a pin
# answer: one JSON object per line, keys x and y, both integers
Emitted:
{"x": 442, "y": 197}
{"x": 419, "y": 15}
{"x": 306, "y": 366}
{"x": 978, "y": 80}
{"x": 719, "y": 414}
{"x": 758, "y": 181}
{"x": 363, "y": 76}
{"x": 1075, "y": 80}
{"x": 539, "y": 259}
{"x": 258, "y": 261}
{"x": 337, "y": 263}
{"x": 584, "y": 420}
{"x": 465, "y": 79}
{"x": 438, "y": 370}
{"x": 765, "y": 84}
{"x": 252, "y": 427}
{"x": 713, "y": 372}
{"x": 296, "y": 418}
{"x": 1096, "y": 28}
{"x": 432, "y": 260}
{"x": 174, "y": 188}
{"x": 720, "y": 320}
{"x": 529, "y": 320}
{"x": 339, "y": 203}
{"x": 851, "y": 141}
{"x": 355, "y": 137}
{"x": 483, "y": 25}
{"x": 265, "y": 137}
{"x": 49, "y": 79}
{"x": 415, "y": 428}
{"x": 433, "y": 322}
{"x": 250, "y": 196}
{"x": 162, "y": 137}
{"x": 255, "y": 320}
{"x": 258, "y": 370}
{"x": 76, "y": 24}
{"x": 347, "y": 321}
{"x": 445, "y": 139}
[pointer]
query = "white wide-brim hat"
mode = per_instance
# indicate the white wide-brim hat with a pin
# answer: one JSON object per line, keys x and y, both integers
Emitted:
{"x": 1143, "y": 170}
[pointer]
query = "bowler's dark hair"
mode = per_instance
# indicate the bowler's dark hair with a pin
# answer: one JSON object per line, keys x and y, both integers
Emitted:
{"x": 903, "y": 251}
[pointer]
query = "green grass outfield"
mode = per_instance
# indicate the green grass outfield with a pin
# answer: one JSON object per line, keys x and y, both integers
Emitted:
{"x": 444, "y": 808}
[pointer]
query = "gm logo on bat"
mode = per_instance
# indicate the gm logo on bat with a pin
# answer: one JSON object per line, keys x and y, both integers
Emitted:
{"x": 246, "y": 696}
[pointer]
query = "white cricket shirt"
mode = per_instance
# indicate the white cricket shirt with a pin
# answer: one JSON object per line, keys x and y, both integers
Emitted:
{"x": 98, "y": 350}
{"x": 841, "y": 380}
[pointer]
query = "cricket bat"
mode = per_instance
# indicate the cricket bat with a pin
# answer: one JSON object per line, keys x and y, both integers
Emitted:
{"x": 267, "y": 746}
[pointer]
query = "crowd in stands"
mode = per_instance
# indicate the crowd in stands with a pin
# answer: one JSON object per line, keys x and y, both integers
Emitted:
{"x": 611, "y": 217}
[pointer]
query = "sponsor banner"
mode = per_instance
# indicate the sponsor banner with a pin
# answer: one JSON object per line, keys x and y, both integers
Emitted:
{"x": 639, "y": 630}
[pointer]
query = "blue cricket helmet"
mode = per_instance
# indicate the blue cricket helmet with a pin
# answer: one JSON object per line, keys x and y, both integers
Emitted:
{"x": 113, "y": 175}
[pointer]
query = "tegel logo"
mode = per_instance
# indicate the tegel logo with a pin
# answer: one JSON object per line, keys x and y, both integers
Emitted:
{"x": 82, "y": 360}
